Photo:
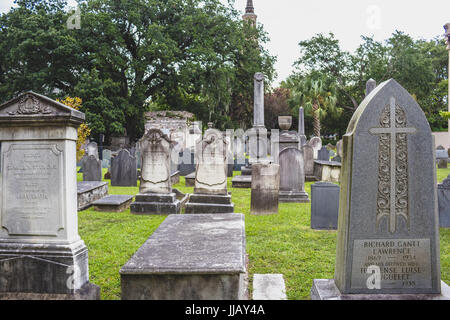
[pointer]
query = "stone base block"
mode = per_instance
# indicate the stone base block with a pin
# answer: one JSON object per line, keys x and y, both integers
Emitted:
{"x": 189, "y": 257}
{"x": 290, "y": 196}
{"x": 207, "y": 203}
{"x": 246, "y": 171}
{"x": 153, "y": 203}
{"x": 264, "y": 202}
{"x": 175, "y": 178}
{"x": 47, "y": 269}
{"x": 325, "y": 289}
{"x": 113, "y": 203}
{"x": 190, "y": 180}
{"x": 88, "y": 292}
{"x": 241, "y": 182}
{"x": 90, "y": 191}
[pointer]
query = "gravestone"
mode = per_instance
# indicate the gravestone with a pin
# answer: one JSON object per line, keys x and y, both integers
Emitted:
{"x": 124, "y": 169}
{"x": 323, "y": 154}
{"x": 301, "y": 128}
{"x": 444, "y": 203}
{"x": 210, "y": 190}
{"x": 92, "y": 149}
{"x": 41, "y": 254}
{"x": 190, "y": 257}
{"x": 338, "y": 157}
{"x": 370, "y": 86}
{"x": 316, "y": 144}
{"x": 324, "y": 206}
{"x": 388, "y": 234}
{"x": 327, "y": 171}
{"x": 92, "y": 169}
{"x": 265, "y": 189}
{"x": 155, "y": 189}
{"x": 441, "y": 158}
{"x": 187, "y": 162}
{"x": 106, "y": 158}
{"x": 308, "y": 159}
{"x": 292, "y": 176}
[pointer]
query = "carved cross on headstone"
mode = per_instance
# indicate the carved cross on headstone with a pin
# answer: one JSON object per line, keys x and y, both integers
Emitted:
{"x": 392, "y": 199}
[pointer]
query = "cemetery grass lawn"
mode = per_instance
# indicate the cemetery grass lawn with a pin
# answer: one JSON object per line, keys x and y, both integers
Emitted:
{"x": 282, "y": 243}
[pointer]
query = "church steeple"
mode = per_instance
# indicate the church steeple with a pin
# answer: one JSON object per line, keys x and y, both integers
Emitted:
{"x": 250, "y": 13}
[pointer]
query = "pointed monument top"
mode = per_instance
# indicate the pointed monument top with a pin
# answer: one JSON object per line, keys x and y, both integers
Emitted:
{"x": 249, "y": 8}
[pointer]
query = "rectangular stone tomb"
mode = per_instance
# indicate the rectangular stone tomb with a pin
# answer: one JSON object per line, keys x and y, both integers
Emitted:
{"x": 328, "y": 171}
{"x": 243, "y": 181}
{"x": 190, "y": 257}
{"x": 190, "y": 180}
{"x": 90, "y": 191}
{"x": 209, "y": 203}
{"x": 156, "y": 203}
{"x": 324, "y": 206}
{"x": 113, "y": 203}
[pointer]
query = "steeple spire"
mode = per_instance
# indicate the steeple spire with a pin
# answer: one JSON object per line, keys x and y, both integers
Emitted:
{"x": 250, "y": 13}
{"x": 249, "y": 8}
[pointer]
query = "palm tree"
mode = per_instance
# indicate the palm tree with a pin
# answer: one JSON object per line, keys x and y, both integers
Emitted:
{"x": 316, "y": 96}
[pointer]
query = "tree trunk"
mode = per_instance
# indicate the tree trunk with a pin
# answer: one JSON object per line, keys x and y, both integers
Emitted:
{"x": 316, "y": 120}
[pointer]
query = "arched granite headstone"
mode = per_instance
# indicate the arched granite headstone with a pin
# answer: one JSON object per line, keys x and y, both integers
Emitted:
{"x": 292, "y": 176}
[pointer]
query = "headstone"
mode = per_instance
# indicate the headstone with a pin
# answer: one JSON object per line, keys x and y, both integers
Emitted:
{"x": 92, "y": 149}
{"x": 324, "y": 206}
{"x": 323, "y": 154}
{"x": 124, "y": 169}
{"x": 442, "y": 158}
{"x": 258, "y": 100}
{"x": 292, "y": 176}
{"x": 187, "y": 162}
{"x": 106, "y": 158}
{"x": 155, "y": 190}
{"x": 388, "y": 234}
{"x": 190, "y": 179}
{"x": 338, "y": 158}
{"x": 328, "y": 171}
{"x": 370, "y": 86}
{"x": 265, "y": 189}
{"x": 316, "y": 144}
{"x": 444, "y": 203}
{"x": 308, "y": 159}
{"x": 190, "y": 257}
{"x": 92, "y": 169}
{"x": 210, "y": 190}
{"x": 41, "y": 253}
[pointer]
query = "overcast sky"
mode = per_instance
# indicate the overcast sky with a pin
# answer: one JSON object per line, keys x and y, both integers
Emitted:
{"x": 290, "y": 21}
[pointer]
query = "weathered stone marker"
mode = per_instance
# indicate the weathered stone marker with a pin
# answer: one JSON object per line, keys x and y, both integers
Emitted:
{"x": 124, "y": 169}
{"x": 155, "y": 191}
{"x": 265, "y": 188}
{"x": 292, "y": 176}
{"x": 324, "y": 206}
{"x": 444, "y": 203}
{"x": 388, "y": 234}
{"x": 190, "y": 257}
{"x": 41, "y": 254}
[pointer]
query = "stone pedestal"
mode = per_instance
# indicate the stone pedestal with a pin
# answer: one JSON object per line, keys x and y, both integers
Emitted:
{"x": 41, "y": 253}
{"x": 329, "y": 171}
{"x": 155, "y": 203}
{"x": 209, "y": 203}
{"x": 190, "y": 257}
{"x": 324, "y": 206}
{"x": 326, "y": 289}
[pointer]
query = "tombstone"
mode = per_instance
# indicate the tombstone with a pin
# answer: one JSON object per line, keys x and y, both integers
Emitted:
{"x": 301, "y": 127}
{"x": 308, "y": 160}
{"x": 41, "y": 253}
{"x": 210, "y": 190}
{"x": 388, "y": 234}
{"x": 316, "y": 144}
{"x": 186, "y": 162}
{"x": 441, "y": 158}
{"x": 190, "y": 257}
{"x": 106, "y": 158}
{"x": 324, "y": 206}
{"x": 92, "y": 169}
{"x": 292, "y": 176}
{"x": 265, "y": 189}
{"x": 323, "y": 154}
{"x": 239, "y": 149}
{"x": 328, "y": 171}
{"x": 338, "y": 158}
{"x": 444, "y": 203}
{"x": 124, "y": 169}
{"x": 155, "y": 190}
{"x": 439, "y": 147}
{"x": 370, "y": 86}
{"x": 92, "y": 149}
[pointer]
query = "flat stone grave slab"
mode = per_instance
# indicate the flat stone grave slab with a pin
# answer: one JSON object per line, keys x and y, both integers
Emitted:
{"x": 113, "y": 203}
{"x": 190, "y": 257}
{"x": 90, "y": 191}
{"x": 269, "y": 287}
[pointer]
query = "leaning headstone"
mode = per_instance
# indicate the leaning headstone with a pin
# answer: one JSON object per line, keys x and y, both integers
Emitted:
{"x": 388, "y": 233}
{"x": 323, "y": 154}
{"x": 155, "y": 189}
{"x": 292, "y": 176}
{"x": 265, "y": 189}
{"x": 444, "y": 203}
{"x": 124, "y": 169}
{"x": 324, "y": 206}
{"x": 190, "y": 257}
{"x": 92, "y": 169}
{"x": 210, "y": 190}
{"x": 41, "y": 254}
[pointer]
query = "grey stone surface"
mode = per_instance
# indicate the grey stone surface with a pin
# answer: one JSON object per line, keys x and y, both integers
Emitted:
{"x": 92, "y": 149}
{"x": 388, "y": 214}
{"x": 113, "y": 203}
{"x": 329, "y": 171}
{"x": 189, "y": 257}
{"x": 190, "y": 180}
{"x": 92, "y": 169}
{"x": 242, "y": 181}
{"x": 288, "y": 139}
{"x": 208, "y": 203}
{"x": 326, "y": 289}
{"x": 370, "y": 86}
{"x": 308, "y": 160}
{"x": 441, "y": 154}
{"x": 41, "y": 252}
{"x": 301, "y": 121}
{"x": 155, "y": 203}
{"x": 265, "y": 188}
{"x": 324, "y": 206}
{"x": 90, "y": 191}
{"x": 323, "y": 154}
{"x": 269, "y": 287}
{"x": 124, "y": 169}
{"x": 442, "y": 163}
{"x": 258, "y": 100}
{"x": 187, "y": 162}
{"x": 292, "y": 177}
{"x": 443, "y": 192}
{"x": 316, "y": 144}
